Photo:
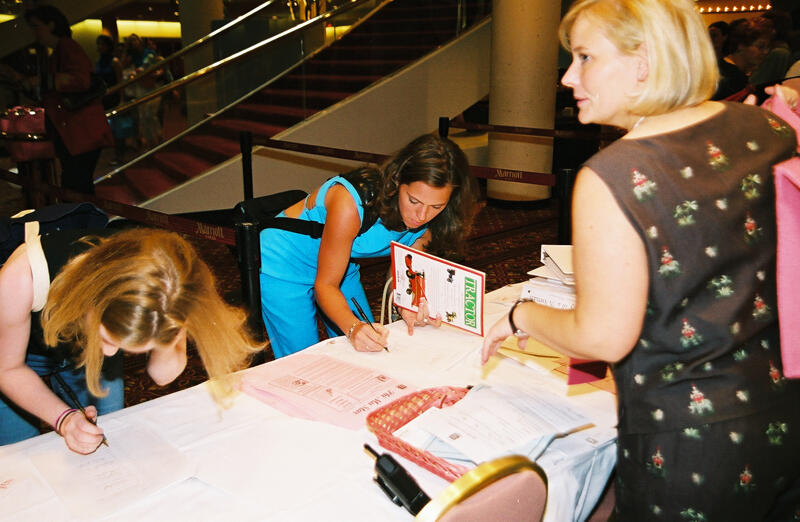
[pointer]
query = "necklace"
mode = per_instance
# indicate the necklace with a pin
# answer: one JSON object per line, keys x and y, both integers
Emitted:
{"x": 640, "y": 120}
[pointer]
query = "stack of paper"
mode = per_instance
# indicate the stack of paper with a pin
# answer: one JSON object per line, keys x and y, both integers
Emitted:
{"x": 558, "y": 259}
{"x": 553, "y": 283}
{"x": 491, "y": 422}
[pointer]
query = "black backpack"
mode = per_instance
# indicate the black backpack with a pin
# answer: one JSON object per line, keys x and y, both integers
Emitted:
{"x": 262, "y": 211}
{"x": 62, "y": 216}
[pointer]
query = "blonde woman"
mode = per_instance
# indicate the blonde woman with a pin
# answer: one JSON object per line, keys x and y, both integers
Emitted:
{"x": 138, "y": 290}
{"x": 674, "y": 245}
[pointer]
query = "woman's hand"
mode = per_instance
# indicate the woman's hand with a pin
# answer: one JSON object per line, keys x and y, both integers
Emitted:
{"x": 789, "y": 95}
{"x": 365, "y": 339}
{"x": 81, "y": 435}
{"x": 499, "y": 332}
{"x": 420, "y": 317}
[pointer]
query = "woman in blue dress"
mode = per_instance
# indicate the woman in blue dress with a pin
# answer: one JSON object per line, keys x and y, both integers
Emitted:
{"x": 422, "y": 197}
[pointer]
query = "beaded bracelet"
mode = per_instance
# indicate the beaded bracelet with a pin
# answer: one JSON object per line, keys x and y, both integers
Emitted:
{"x": 350, "y": 331}
{"x": 64, "y": 414}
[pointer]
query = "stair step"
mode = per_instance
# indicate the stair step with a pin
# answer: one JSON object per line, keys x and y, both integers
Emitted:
{"x": 114, "y": 191}
{"x": 282, "y": 110}
{"x": 149, "y": 181}
{"x": 261, "y": 129}
{"x": 224, "y": 147}
{"x": 332, "y": 78}
{"x": 181, "y": 165}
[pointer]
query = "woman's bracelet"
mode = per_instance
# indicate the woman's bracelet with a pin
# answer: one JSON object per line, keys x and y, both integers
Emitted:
{"x": 516, "y": 331}
{"x": 60, "y": 420}
{"x": 350, "y": 331}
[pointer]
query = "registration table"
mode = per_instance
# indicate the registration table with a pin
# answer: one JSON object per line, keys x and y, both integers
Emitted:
{"x": 180, "y": 457}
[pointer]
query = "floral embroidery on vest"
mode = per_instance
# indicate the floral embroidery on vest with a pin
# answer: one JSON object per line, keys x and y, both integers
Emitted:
{"x": 698, "y": 403}
{"x": 722, "y": 286}
{"x": 643, "y": 188}
{"x": 716, "y": 158}
{"x": 689, "y": 336}
{"x": 669, "y": 265}
{"x": 684, "y": 213}
{"x": 750, "y": 186}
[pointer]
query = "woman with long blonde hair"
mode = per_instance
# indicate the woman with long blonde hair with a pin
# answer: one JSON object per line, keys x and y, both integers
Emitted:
{"x": 138, "y": 290}
{"x": 674, "y": 250}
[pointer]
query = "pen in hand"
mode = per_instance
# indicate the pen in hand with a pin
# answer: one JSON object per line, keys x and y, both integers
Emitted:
{"x": 365, "y": 319}
{"x": 77, "y": 402}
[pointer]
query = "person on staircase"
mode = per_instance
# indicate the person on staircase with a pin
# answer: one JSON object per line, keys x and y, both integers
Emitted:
{"x": 78, "y": 135}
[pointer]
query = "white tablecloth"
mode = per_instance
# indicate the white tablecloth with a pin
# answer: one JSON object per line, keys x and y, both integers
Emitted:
{"x": 252, "y": 462}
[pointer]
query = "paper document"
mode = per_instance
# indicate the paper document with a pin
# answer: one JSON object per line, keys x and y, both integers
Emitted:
{"x": 452, "y": 291}
{"x": 319, "y": 387}
{"x": 137, "y": 463}
{"x": 21, "y": 488}
{"x": 490, "y": 422}
{"x": 558, "y": 259}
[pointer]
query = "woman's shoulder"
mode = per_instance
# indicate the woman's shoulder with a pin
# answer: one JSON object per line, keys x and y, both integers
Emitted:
{"x": 16, "y": 282}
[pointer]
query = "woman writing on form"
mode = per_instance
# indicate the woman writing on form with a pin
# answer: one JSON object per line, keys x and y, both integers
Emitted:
{"x": 674, "y": 256}
{"x": 423, "y": 197}
{"x": 139, "y": 291}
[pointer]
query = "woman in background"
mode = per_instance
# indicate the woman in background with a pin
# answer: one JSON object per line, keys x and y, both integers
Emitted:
{"x": 80, "y": 134}
{"x": 422, "y": 197}
{"x": 674, "y": 256}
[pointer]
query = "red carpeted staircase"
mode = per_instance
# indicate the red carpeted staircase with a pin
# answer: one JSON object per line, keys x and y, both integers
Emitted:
{"x": 401, "y": 32}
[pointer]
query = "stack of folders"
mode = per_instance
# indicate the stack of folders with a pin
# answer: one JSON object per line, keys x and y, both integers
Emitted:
{"x": 553, "y": 283}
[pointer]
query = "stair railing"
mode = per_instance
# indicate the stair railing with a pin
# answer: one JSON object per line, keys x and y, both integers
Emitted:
{"x": 210, "y": 37}
{"x": 213, "y": 68}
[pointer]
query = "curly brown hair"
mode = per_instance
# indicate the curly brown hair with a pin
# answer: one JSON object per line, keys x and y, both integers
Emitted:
{"x": 438, "y": 162}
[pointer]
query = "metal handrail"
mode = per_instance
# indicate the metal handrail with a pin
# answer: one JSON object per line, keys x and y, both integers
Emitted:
{"x": 196, "y": 75}
{"x": 197, "y": 43}
{"x": 213, "y": 67}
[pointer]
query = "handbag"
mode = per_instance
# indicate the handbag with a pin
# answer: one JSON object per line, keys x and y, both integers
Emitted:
{"x": 25, "y": 133}
{"x": 72, "y": 101}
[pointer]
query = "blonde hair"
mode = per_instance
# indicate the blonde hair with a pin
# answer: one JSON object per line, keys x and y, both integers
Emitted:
{"x": 145, "y": 285}
{"x": 681, "y": 60}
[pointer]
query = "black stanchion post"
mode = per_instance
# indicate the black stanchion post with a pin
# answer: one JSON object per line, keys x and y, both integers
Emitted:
{"x": 565, "y": 180}
{"x": 444, "y": 126}
{"x": 246, "y": 144}
{"x": 249, "y": 258}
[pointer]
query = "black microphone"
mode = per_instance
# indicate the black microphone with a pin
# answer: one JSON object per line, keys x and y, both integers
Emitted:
{"x": 395, "y": 481}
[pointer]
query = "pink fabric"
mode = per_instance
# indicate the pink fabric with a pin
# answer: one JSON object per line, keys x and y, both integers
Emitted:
{"x": 787, "y": 208}
{"x": 586, "y": 370}
{"x": 787, "y": 212}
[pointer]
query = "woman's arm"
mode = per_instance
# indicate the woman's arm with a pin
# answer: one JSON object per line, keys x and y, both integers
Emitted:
{"x": 611, "y": 281}
{"x": 18, "y": 382}
{"x": 341, "y": 228}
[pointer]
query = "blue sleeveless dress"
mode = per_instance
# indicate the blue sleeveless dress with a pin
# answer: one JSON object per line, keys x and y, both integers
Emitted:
{"x": 289, "y": 268}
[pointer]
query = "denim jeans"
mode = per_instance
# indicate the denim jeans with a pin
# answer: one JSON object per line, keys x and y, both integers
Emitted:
{"x": 17, "y": 424}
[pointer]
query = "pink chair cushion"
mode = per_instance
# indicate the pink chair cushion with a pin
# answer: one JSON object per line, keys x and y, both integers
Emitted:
{"x": 520, "y": 497}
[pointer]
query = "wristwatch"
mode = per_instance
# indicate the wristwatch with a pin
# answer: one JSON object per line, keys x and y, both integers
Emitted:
{"x": 519, "y": 333}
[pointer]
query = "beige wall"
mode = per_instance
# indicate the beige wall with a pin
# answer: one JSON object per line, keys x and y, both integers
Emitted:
{"x": 380, "y": 119}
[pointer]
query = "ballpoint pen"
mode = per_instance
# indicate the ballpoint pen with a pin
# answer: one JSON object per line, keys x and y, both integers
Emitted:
{"x": 365, "y": 319}
{"x": 74, "y": 398}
